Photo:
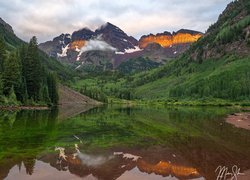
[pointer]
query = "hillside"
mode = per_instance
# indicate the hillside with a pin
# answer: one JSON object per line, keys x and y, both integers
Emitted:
{"x": 230, "y": 35}
{"x": 9, "y": 36}
{"x": 215, "y": 67}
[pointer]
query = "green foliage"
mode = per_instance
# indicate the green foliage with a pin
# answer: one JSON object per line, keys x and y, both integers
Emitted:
{"x": 96, "y": 70}
{"x": 94, "y": 93}
{"x": 136, "y": 65}
{"x": 92, "y": 69}
{"x": 232, "y": 33}
{"x": 10, "y": 39}
{"x": 12, "y": 74}
{"x": 226, "y": 35}
{"x": 227, "y": 78}
{"x": 12, "y": 100}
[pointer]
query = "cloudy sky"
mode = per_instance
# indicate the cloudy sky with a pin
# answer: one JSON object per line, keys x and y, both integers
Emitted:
{"x": 49, "y": 18}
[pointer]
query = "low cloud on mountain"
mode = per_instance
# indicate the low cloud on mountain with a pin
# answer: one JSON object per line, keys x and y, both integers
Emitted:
{"x": 97, "y": 44}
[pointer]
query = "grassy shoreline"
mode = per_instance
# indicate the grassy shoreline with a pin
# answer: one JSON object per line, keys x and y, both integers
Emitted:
{"x": 212, "y": 102}
{"x": 155, "y": 103}
{"x": 21, "y": 107}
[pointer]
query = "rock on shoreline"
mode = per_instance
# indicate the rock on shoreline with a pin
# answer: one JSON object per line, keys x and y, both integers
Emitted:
{"x": 240, "y": 120}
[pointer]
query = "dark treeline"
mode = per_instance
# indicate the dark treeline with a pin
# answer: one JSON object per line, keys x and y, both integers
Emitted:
{"x": 23, "y": 78}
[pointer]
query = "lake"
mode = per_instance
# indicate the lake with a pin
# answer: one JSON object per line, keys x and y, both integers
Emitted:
{"x": 121, "y": 143}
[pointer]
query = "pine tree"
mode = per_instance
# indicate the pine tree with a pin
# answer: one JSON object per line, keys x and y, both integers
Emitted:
{"x": 32, "y": 70}
{"x": 11, "y": 74}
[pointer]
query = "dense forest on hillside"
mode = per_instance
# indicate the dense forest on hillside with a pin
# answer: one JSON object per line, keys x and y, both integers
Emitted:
{"x": 23, "y": 78}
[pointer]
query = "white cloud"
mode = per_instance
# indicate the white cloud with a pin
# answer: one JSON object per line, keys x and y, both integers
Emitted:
{"x": 97, "y": 44}
{"x": 49, "y": 18}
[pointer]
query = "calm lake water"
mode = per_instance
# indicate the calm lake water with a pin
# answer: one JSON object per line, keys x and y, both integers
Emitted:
{"x": 120, "y": 143}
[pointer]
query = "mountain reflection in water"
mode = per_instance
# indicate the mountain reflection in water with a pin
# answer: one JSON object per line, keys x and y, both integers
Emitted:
{"x": 121, "y": 143}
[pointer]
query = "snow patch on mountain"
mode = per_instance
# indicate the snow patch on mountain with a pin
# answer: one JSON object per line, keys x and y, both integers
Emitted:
{"x": 78, "y": 57}
{"x": 131, "y": 50}
{"x": 69, "y": 36}
{"x": 77, "y": 49}
{"x": 119, "y": 53}
{"x": 61, "y": 42}
{"x": 64, "y": 51}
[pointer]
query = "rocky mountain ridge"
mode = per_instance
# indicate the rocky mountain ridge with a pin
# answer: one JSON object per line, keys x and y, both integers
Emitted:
{"x": 167, "y": 39}
{"x": 109, "y": 42}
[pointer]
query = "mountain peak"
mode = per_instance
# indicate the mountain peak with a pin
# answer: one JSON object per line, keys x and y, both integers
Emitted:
{"x": 109, "y": 24}
{"x": 116, "y": 37}
{"x": 83, "y": 34}
{"x": 85, "y": 29}
{"x": 107, "y": 27}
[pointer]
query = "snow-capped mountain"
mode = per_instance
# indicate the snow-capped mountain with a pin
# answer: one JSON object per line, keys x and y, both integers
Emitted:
{"x": 116, "y": 37}
{"x": 111, "y": 44}
{"x": 57, "y": 47}
{"x": 109, "y": 39}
